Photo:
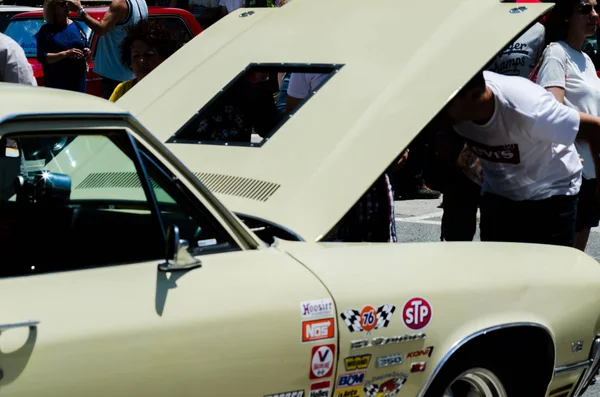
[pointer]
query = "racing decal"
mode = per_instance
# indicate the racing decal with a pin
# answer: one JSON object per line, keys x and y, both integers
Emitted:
{"x": 317, "y": 329}
{"x": 418, "y": 353}
{"x": 417, "y": 313}
{"x": 387, "y": 388}
{"x": 382, "y": 340}
{"x": 386, "y": 361}
{"x": 353, "y": 392}
{"x": 368, "y": 318}
{"x": 418, "y": 367}
{"x": 357, "y": 362}
{"x": 316, "y": 308}
{"x": 352, "y": 379}
{"x": 321, "y": 365}
{"x": 320, "y": 389}
{"x": 297, "y": 393}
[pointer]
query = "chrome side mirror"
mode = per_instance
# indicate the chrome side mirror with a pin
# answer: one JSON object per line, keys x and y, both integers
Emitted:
{"x": 177, "y": 255}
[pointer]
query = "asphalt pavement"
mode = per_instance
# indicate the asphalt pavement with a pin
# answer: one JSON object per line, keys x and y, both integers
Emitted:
{"x": 420, "y": 220}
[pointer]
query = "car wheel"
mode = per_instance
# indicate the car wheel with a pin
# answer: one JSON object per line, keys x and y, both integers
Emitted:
{"x": 469, "y": 380}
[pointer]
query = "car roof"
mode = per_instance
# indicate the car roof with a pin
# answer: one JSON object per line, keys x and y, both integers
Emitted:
{"x": 14, "y": 8}
{"x": 26, "y": 100}
{"x": 403, "y": 61}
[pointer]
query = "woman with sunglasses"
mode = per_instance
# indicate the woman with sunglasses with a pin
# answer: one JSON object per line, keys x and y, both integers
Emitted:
{"x": 569, "y": 74}
{"x": 61, "y": 48}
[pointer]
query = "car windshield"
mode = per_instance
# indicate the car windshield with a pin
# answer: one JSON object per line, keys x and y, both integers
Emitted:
{"x": 23, "y": 31}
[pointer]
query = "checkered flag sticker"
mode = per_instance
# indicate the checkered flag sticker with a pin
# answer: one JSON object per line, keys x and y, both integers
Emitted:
{"x": 372, "y": 390}
{"x": 384, "y": 315}
{"x": 352, "y": 318}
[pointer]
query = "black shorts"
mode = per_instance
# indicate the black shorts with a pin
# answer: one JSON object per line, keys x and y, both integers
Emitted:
{"x": 588, "y": 211}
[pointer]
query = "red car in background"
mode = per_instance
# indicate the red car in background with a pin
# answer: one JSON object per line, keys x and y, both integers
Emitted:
{"x": 23, "y": 28}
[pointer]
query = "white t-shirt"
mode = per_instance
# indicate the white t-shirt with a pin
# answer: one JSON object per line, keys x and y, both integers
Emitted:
{"x": 14, "y": 67}
{"x": 520, "y": 57}
{"x": 232, "y": 5}
{"x": 526, "y": 149}
{"x": 301, "y": 84}
{"x": 582, "y": 88}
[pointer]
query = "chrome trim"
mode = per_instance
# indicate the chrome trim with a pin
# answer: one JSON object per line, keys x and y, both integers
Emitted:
{"x": 29, "y": 324}
{"x": 591, "y": 371}
{"x": 458, "y": 344}
{"x": 563, "y": 369}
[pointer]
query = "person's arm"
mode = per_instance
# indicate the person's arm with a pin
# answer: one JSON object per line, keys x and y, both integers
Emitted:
{"x": 298, "y": 89}
{"x": 17, "y": 68}
{"x": 117, "y": 12}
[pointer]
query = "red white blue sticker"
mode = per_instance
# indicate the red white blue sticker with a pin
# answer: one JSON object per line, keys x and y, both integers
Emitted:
{"x": 351, "y": 379}
{"x": 320, "y": 389}
{"x": 417, "y": 313}
{"x": 321, "y": 363}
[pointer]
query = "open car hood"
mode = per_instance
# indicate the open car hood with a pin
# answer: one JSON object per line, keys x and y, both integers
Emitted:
{"x": 402, "y": 62}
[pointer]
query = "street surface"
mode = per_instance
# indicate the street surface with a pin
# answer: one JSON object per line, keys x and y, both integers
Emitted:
{"x": 420, "y": 220}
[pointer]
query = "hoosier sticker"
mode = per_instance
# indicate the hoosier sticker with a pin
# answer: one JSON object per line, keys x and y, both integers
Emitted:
{"x": 368, "y": 318}
{"x": 316, "y": 308}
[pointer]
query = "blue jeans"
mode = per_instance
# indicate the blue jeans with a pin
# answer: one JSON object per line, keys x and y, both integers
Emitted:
{"x": 282, "y": 99}
{"x": 549, "y": 221}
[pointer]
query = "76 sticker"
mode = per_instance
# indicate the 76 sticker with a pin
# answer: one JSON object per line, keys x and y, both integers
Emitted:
{"x": 368, "y": 318}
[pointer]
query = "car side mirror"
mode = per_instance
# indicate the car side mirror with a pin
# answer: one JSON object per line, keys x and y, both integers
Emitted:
{"x": 177, "y": 256}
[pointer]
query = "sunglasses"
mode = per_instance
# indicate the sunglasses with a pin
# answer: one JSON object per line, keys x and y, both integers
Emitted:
{"x": 586, "y": 8}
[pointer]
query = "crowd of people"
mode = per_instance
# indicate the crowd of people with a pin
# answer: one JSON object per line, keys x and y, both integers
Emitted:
{"x": 520, "y": 141}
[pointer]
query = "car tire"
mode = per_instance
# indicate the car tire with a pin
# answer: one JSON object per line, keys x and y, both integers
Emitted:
{"x": 471, "y": 379}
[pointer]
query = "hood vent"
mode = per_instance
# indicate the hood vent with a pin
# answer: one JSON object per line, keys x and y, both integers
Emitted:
{"x": 251, "y": 189}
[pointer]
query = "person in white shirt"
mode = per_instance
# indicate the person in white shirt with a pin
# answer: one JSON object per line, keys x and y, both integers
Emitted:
{"x": 570, "y": 75}
{"x": 229, "y": 6}
{"x": 524, "y": 139}
{"x": 14, "y": 67}
{"x": 300, "y": 86}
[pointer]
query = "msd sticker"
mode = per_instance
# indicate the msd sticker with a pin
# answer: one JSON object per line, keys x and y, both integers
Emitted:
{"x": 317, "y": 329}
{"x": 368, "y": 318}
{"x": 316, "y": 308}
{"x": 320, "y": 389}
{"x": 417, "y": 313}
{"x": 321, "y": 364}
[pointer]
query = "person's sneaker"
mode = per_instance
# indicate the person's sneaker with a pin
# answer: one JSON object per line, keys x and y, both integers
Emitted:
{"x": 423, "y": 193}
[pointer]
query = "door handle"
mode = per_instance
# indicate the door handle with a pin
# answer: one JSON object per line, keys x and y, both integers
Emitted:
{"x": 29, "y": 324}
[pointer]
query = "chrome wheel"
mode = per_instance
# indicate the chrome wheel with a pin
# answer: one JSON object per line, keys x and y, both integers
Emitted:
{"x": 476, "y": 382}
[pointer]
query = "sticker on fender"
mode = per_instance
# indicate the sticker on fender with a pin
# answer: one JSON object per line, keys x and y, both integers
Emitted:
{"x": 320, "y": 389}
{"x": 317, "y": 329}
{"x": 353, "y": 392}
{"x": 321, "y": 363}
{"x": 368, "y": 318}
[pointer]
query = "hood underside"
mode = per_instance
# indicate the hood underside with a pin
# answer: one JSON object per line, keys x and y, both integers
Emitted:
{"x": 402, "y": 61}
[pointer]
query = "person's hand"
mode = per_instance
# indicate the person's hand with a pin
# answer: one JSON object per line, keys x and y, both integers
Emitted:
{"x": 402, "y": 160}
{"x": 86, "y": 53}
{"x": 74, "y": 5}
{"x": 74, "y": 53}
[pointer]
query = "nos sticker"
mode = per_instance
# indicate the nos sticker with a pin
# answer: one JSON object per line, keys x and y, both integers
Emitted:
{"x": 368, "y": 318}
{"x": 321, "y": 365}
{"x": 317, "y": 329}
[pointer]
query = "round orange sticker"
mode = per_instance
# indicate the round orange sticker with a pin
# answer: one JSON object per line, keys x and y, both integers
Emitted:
{"x": 368, "y": 318}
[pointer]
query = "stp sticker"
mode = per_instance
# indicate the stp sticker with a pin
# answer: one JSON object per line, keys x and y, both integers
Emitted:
{"x": 321, "y": 365}
{"x": 418, "y": 353}
{"x": 353, "y": 392}
{"x": 316, "y": 308}
{"x": 417, "y": 313}
{"x": 317, "y": 329}
{"x": 297, "y": 393}
{"x": 352, "y": 379}
{"x": 368, "y": 318}
{"x": 320, "y": 389}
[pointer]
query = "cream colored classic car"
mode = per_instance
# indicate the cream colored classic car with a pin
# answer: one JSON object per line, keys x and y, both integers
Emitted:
{"x": 122, "y": 274}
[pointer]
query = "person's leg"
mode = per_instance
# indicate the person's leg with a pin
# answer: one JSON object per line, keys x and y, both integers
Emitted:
{"x": 461, "y": 200}
{"x": 108, "y": 86}
{"x": 553, "y": 220}
{"x": 500, "y": 218}
{"x": 588, "y": 213}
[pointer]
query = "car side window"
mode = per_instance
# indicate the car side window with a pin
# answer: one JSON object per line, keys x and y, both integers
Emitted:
{"x": 176, "y": 25}
{"x": 71, "y": 202}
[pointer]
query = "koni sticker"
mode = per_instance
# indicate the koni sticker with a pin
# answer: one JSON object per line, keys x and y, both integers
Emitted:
{"x": 321, "y": 364}
{"x": 357, "y": 362}
{"x": 352, "y": 392}
{"x": 297, "y": 393}
{"x": 368, "y": 318}
{"x": 388, "y": 388}
{"x": 351, "y": 379}
{"x": 313, "y": 330}
{"x": 316, "y": 308}
{"x": 417, "y": 313}
{"x": 320, "y": 389}
{"x": 418, "y": 353}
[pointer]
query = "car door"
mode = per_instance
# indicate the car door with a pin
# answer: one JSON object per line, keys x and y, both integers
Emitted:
{"x": 86, "y": 309}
